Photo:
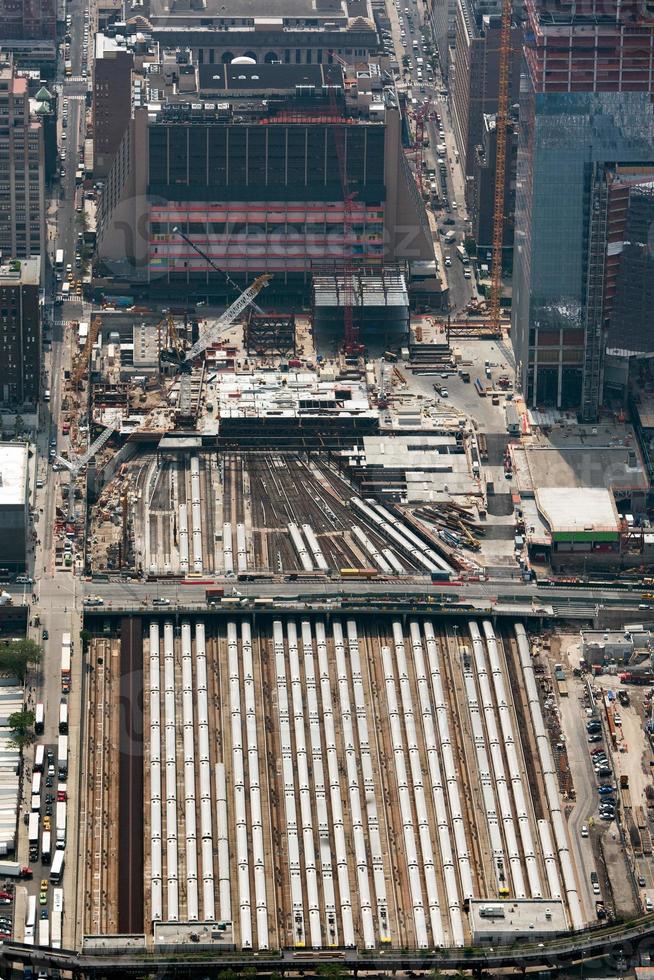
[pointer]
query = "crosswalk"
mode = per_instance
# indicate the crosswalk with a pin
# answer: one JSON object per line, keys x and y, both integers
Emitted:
{"x": 76, "y": 79}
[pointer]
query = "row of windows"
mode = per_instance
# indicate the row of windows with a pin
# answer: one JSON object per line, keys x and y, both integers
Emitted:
{"x": 278, "y": 154}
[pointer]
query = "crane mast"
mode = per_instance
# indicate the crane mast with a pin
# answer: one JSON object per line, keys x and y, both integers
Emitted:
{"x": 500, "y": 166}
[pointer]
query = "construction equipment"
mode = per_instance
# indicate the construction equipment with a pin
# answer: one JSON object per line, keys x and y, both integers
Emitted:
{"x": 209, "y": 261}
{"x": 175, "y": 355}
{"x": 76, "y": 464}
{"x": 501, "y": 121}
{"x": 173, "y": 341}
{"x": 82, "y": 362}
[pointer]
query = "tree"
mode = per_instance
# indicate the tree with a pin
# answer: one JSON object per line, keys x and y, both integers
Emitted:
{"x": 16, "y": 657}
{"x": 21, "y": 721}
{"x": 21, "y": 740}
{"x": 470, "y": 245}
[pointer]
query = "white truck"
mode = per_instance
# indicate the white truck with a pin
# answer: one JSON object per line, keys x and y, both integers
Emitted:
{"x": 46, "y": 847}
{"x": 61, "y": 825}
{"x": 62, "y": 756}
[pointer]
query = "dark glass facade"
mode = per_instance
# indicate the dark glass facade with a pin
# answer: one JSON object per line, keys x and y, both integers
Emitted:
{"x": 563, "y": 136}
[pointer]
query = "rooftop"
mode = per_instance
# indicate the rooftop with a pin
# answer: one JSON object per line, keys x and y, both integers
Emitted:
{"x": 13, "y": 474}
{"x": 517, "y": 917}
{"x": 186, "y": 10}
{"x": 20, "y": 272}
{"x": 290, "y": 395}
{"x": 581, "y": 456}
{"x": 578, "y": 511}
{"x": 224, "y": 78}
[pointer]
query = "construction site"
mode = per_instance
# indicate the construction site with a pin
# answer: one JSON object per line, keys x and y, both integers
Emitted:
{"x": 294, "y": 782}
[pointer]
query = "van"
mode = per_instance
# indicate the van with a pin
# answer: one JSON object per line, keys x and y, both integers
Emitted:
{"x": 24, "y": 580}
{"x": 46, "y": 395}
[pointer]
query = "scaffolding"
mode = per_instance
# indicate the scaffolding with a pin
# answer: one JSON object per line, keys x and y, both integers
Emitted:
{"x": 269, "y": 334}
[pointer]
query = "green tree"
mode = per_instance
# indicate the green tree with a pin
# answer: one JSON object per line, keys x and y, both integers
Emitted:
{"x": 21, "y": 740}
{"x": 17, "y": 656}
{"x": 21, "y": 721}
{"x": 470, "y": 245}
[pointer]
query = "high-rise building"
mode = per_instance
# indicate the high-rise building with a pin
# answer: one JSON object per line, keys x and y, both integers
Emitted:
{"x": 28, "y": 20}
{"x": 22, "y": 168}
{"x": 585, "y": 114}
{"x": 20, "y": 333}
{"x": 474, "y": 91}
{"x": 247, "y": 162}
{"x": 112, "y": 99}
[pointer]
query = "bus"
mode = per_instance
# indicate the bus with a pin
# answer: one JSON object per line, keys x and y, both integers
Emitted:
{"x": 463, "y": 255}
{"x": 59, "y": 259}
{"x": 63, "y": 718}
{"x": 39, "y": 718}
{"x": 68, "y": 67}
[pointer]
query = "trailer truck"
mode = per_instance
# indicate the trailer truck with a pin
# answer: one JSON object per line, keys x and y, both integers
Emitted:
{"x": 62, "y": 756}
{"x": 57, "y": 867}
{"x": 61, "y": 825}
{"x": 33, "y": 834}
{"x": 12, "y": 869}
{"x": 46, "y": 846}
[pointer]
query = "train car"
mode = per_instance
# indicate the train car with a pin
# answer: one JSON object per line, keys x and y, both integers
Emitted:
{"x": 214, "y": 595}
{"x": 358, "y": 573}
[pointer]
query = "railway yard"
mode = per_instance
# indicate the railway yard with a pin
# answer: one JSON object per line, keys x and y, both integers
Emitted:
{"x": 304, "y": 783}
{"x": 230, "y": 514}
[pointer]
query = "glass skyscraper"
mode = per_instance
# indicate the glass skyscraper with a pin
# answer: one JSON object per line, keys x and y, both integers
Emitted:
{"x": 585, "y": 111}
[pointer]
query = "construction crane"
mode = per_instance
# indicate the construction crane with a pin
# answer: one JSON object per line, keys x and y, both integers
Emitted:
{"x": 175, "y": 355}
{"x": 76, "y": 464}
{"x": 351, "y": 343}
{"x": 82, "y": 362}
{"x": 501, "y": 121}
{"x": 209, "y": 261}
{"x": 173, "y": 340}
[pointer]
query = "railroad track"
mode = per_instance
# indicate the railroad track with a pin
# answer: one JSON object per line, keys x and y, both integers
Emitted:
{"x": 130, "y": 785}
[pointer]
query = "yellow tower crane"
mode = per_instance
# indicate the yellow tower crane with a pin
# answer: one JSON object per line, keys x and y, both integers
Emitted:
{"x": 500, "y": 166}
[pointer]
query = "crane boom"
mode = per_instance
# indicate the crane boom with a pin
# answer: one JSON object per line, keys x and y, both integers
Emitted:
{"x": 76, "y": 463}
{"x": 500, "y": 165}
{"x": 214, "y": 333}
{"x": 209, "y": 261}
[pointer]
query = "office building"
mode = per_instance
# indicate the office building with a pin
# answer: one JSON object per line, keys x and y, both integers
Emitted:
{"x": 14, "y": 499}
{"x": 585, "y": 113}
{"x": 289, "y": 31}
{"x": 475, "y": 86}
{"x": 20, "y": 333}
{"x": 246, "y": 162}
{"x": 28, "y": 20}
{"x": 22, "y": 170}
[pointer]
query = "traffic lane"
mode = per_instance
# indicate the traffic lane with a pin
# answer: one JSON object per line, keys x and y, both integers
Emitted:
{"x": 586, "y": 797}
